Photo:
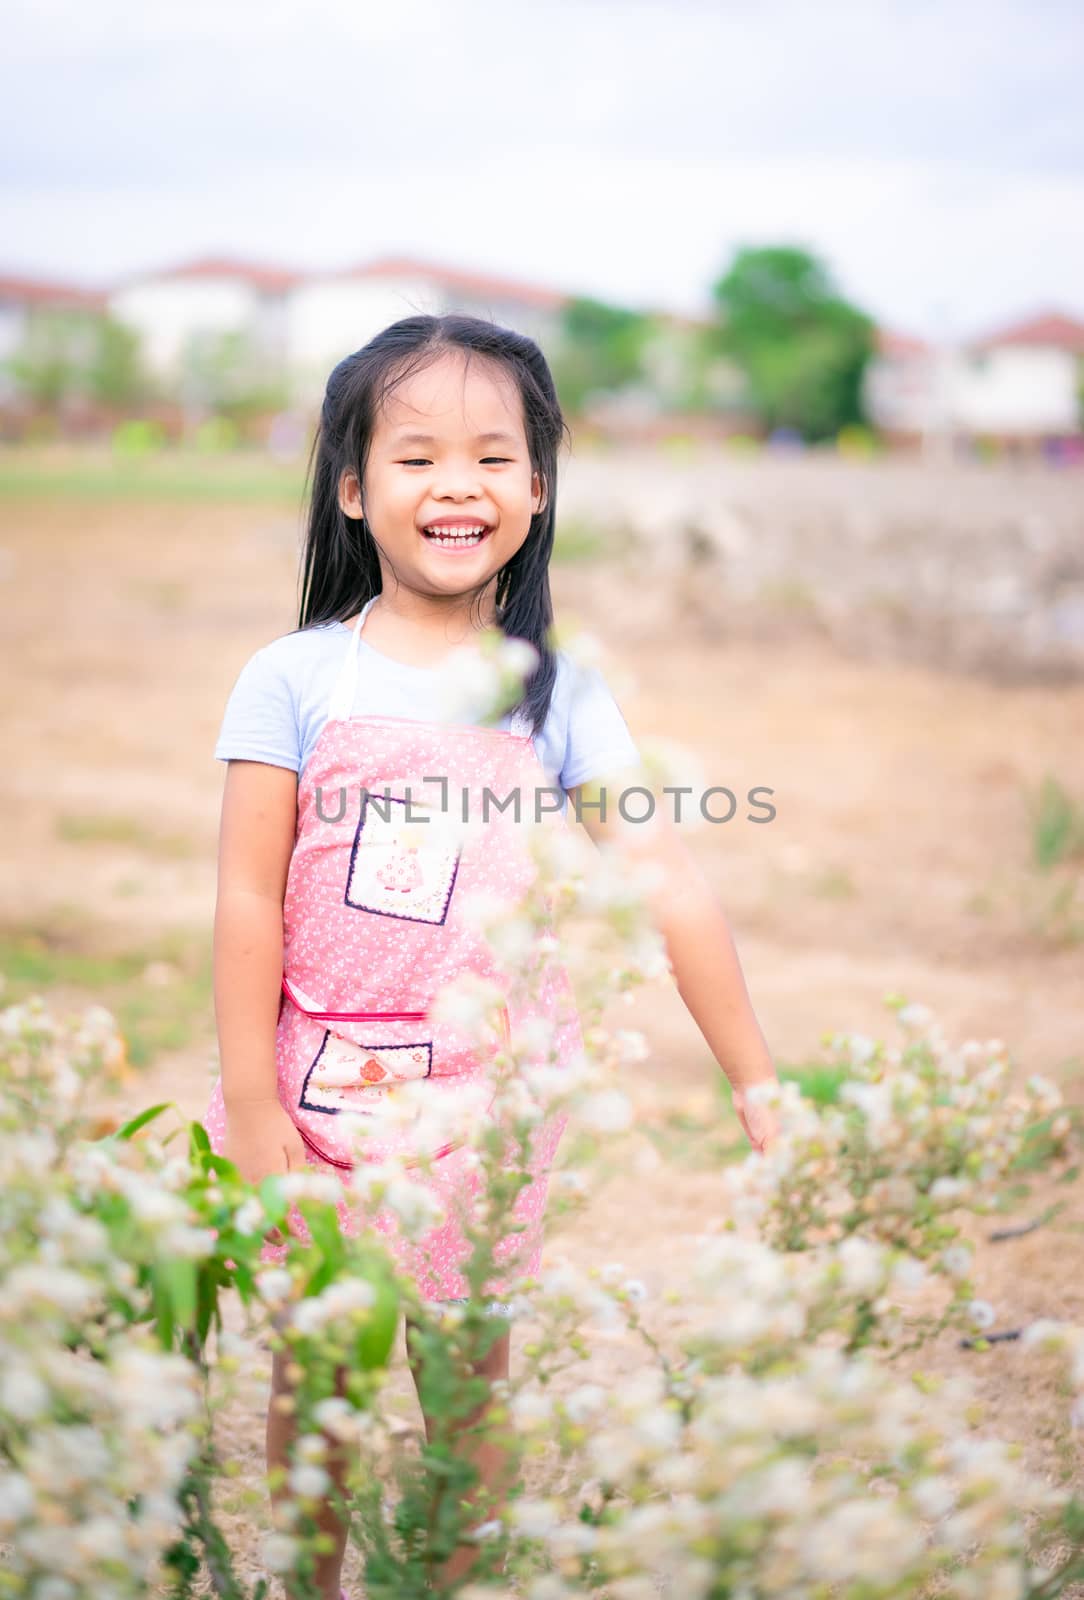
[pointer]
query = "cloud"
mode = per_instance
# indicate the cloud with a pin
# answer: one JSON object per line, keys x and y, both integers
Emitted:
{"x": 934, "y": 153}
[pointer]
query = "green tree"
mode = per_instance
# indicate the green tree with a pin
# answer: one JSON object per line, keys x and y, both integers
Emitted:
{"x": 47, "y": 363}
{"x": 599, "y": 347}
{"x": 801, "y": 346}
{"x": 67, "y": 352}
{"x": 115, "y": 373}
{"x": 227, "y": 373}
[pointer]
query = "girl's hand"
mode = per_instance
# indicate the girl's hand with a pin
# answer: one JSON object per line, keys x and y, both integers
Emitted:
{"x": 262, "y": 1139}
{"x": 759, "y": 1120}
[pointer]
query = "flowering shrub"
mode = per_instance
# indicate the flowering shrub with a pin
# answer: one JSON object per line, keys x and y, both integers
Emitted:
{"x": 922, "y": 1131}
{"x": 763, "y": 1445}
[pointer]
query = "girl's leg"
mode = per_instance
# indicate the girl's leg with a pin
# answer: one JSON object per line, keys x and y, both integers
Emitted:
{"x": 281, "y": 1429}
{"x": 490, "y": 1459}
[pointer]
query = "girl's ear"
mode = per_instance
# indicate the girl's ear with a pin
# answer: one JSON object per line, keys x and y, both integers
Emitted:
{"x": 538, "y": 493}
{"x": 350, "y": 494}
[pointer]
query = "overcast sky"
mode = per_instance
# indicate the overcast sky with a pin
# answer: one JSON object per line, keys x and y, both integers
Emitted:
{"x": 932, "y": 153}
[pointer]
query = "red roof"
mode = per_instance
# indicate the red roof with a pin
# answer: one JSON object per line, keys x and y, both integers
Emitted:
{"x": 900, "y": 345}
{"x": 478, "y": 284}
{"x": 1050, "y": 330}
{"x": 40, "y": 292}
{"x": 259, "y": 276}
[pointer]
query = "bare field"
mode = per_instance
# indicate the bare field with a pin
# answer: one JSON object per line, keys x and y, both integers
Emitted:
{"x": 900, "y": 858}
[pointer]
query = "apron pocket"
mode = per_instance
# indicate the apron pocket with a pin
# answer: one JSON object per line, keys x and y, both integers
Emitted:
{"x": 401, "y": 864}
{"x": 424, "y": 1085}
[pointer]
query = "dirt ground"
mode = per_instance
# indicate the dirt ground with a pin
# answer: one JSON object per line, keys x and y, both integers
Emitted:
{"x": 899, "y": 860}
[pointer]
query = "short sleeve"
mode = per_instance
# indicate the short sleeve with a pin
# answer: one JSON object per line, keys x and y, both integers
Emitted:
{"x": 599, "y": 741}
{"x": 260, "y": 721}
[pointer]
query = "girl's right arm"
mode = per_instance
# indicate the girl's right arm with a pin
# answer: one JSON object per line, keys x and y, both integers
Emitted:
{"x": 259, "y": 818}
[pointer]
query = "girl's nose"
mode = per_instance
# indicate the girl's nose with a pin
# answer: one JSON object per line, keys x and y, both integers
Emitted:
{"x": 458, "y": 482}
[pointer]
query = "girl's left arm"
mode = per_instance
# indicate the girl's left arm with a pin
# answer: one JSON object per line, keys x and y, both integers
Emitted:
{"x": 701, "y": 950}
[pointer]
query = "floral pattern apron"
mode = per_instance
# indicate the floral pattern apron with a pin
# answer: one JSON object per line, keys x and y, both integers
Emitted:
{"x": 373, "y": 925}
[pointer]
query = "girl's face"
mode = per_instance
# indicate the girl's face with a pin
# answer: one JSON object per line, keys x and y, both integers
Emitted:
{"x": 451, "y": 449}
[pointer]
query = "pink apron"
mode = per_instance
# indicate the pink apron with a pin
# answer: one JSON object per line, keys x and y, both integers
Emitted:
{"x": 373, "y": 925}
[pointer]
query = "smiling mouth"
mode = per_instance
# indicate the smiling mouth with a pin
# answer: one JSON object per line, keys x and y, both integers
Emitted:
{"x": 456, "y": 538}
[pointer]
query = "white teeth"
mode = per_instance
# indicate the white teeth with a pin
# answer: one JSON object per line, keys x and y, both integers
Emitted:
{"x": 463, "y": 535}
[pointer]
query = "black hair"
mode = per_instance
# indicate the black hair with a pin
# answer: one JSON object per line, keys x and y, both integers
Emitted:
{"x": 340, "y": 568}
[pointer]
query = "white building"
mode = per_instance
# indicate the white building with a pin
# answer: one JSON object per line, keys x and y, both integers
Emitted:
{"x": 330, "y": 314}
{"x": 1021, "y": 384}
{"x": 303, "y": 323}
{"x": 206, "y": 297}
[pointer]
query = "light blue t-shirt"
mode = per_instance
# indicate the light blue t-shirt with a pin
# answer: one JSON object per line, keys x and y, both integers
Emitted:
{"x": 278, "y": 706}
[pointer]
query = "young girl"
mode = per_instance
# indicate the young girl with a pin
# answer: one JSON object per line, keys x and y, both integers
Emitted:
{"x": 432, "y": 516}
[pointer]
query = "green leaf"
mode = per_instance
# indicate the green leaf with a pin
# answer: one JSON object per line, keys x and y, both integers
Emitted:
{"x": 162, "y": 1302}
{"x": 273, "y": 1198}
{"x": 180, "y": 1276}
{"x": 198, "y": 1138}
{"x": 140, "y": 1121}
{"x": 220, "y": 1166}
{"x": 206, "y": 1301}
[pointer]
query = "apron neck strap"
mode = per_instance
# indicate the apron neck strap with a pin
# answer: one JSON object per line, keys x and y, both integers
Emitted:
{"x": 341, "y": 702}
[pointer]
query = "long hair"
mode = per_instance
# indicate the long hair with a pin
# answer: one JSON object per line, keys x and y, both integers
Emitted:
{"x": 340, "y": 567}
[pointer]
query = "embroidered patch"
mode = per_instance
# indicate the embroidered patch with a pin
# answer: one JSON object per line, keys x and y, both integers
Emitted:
{"x": 343, "y": 1075}
{"x": 393, "y": 871}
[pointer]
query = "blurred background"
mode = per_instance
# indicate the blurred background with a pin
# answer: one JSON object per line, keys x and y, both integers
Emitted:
{"x": 811, "y": 282}
{"x": 811, "y": 286}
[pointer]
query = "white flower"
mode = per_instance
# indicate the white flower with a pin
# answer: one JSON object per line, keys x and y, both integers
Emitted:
{"x": 957, "y": 1260}
{"x": 874, "y": 1100}
{"x": 484, "y": 1531}
{"x": 249, "y": 1215}
{"x": 350, "y": 1294}
{"x": 22, "y": 1393}
{"x": 310, "y": 1185}
{"x": 535, "y": 1518}
{"x": 631, "y": 1045}
{"x": 935, "y": 1497}
{"x": 155, "y": 1205}
{"x": 280, "y": 1551}
{"x": 607, "y": 1111}
{"x": 548, "y": 1587}
{"x": 468, "y": 680}
{"x": 337, "y": 1300}
{"x": 517, "y": 656}
{"x": 530, "y": 1410}
{"x": 98, "y": 1539}
{"x": 466, "y": 1001}
{"x": 339, "y": 1418}
{"x": 181, "y": 1239}
{"x": 417, "y": 1208}
{"x": 274, "y": 1285}
{"x": 907, "y": 1273}
{"x": 982, "y": 1313}
{"x": 1048, "y": 1332}
{"x": 157, "y": 1389}
{"x": 309, "y": 1481}
{"x": 862, "y": 1263}
{"x": 16, "y": 1499}
{"x": 584, "y": 1402}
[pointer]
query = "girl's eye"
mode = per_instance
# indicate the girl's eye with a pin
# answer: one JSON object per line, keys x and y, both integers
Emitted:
{"x": 420, "y": 461}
